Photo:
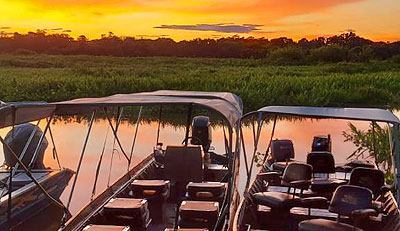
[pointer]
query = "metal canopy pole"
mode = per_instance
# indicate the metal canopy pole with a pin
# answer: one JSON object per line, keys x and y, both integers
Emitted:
{"x": 134, "y": 137}
{"x": 244, "y": 151}
{"x": 396, "y": 159}
{"x": 159, "y": 125}
{"x": 189, "y": 118}
{"x": 270, "y": 140}
{"x": 119, "y": 116}
{"x": 114, "y": 130}
{"x": 36, "y": 153}
{"x": 29, "y": 174}
{"x": 81, "y": 157}
{"x": 9, "y": 189}
{"x": 374, "y": 142}
{"x": 55, "y": 153}
{"x": 257, "y": 138}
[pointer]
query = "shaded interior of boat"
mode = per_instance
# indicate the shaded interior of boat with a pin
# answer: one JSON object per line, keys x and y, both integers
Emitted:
{"x": 179, "y": 186}
{"x": 317, "y": 195}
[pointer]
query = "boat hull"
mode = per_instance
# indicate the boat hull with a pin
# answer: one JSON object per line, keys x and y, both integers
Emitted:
{"x": 29, "y": 200}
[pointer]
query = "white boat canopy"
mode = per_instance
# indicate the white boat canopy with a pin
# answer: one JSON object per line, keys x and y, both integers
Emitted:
{"x": 367, "y": 114}
{"x": 17, "y": 113}
{"x": 227, "y": 104}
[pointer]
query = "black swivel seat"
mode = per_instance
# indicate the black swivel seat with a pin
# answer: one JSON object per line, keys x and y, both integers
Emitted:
{"x": 282, "y": 153}
{"x": 323, "y": 163}
{"x": 295, "y": 176}
{"x": 348, "y": 200}
{"x": 372, "y": 179}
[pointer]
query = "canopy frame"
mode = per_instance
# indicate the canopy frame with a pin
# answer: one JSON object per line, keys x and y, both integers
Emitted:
{"x": 337, "y": 113}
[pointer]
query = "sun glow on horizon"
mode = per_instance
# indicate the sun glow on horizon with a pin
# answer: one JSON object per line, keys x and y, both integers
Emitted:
{"x": 180, "y": 20}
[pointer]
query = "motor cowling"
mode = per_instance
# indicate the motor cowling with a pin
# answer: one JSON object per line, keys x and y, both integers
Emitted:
{"x": 321, "y": 143}
{"x": 17, "y": 138}
{"x": 202, "y": 132}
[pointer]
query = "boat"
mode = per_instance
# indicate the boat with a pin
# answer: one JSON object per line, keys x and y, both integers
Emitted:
{"x": 177, "y": 186}
{"x": 290, "y": 194}
{"x": 27, "y": 187}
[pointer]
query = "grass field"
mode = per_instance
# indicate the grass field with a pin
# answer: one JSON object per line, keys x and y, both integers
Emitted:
{"x": 55, "y": 78}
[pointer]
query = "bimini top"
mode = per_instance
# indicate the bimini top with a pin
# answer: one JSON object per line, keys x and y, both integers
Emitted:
{"x": 367, "y": 114}
{"x": 21, "y": 112}
{"x": 227, "y": 104}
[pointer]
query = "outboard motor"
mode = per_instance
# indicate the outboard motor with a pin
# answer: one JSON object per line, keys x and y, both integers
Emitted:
{"x": 17, "y": 139}
{"x": 201, "y": 132}
{"x": 321, "y": 144}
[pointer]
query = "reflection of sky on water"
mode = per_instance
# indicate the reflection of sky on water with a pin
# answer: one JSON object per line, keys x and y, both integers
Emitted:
{"x": 69, "y": 138}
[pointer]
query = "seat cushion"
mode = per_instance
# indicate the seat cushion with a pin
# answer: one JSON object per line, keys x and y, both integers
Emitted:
{"x": 171, "y": 229}
{"x": 150, "y": 188}
{"x": 277, "y": 200}
{"x": 207, "y": 190}
{"x": 326, "y": 184}
{"x": 325, "y": 225}
{"x": 199, "y": 209}
{"x": 106, "y": 228}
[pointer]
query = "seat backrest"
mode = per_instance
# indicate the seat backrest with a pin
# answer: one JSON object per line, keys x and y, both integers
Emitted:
{"x": 370, "y": 178}
{"x": 282, "y": 150}
{"x": 297, "y": 171}
{"x": 322, "y": 162}
{"x": 184, "y": 163}
{"x": 348, "y": 198}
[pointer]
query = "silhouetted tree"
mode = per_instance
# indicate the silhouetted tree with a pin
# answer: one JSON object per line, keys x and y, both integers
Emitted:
{"x": 343, "y": 47}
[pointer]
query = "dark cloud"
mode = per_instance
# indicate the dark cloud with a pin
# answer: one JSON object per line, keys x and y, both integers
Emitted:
{"x": 5, "y": 28}
{"x": 152, "y": 36}
{"x": 348, "y": 31}
{"x": 220, "y": 27}
{"x": 67, "y": 31}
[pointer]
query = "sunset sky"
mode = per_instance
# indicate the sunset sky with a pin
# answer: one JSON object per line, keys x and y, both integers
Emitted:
{"x": 180, "y": 19}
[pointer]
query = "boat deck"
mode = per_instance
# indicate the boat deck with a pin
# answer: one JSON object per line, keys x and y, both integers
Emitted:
{"x": 259, "y": 217}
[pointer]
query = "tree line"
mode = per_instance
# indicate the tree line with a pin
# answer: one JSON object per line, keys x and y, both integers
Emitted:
{"x": 338, "y": 48}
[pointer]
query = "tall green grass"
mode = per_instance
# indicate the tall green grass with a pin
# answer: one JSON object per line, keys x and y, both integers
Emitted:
{"x": 56, "y": 78}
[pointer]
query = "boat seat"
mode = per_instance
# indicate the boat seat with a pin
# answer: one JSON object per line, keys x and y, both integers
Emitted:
{"x": 280, "y": 166}
{"x": 348, "y": 200}
{"x": 277, "y": 200}
{"x": 150, "y": 189}
{"x": 184, "y": 163}
{"x": 215, "y": 172}
{"x": 106, "y": 228}
{"x": 348, "y": 167}
{"x": 373, "y": 179}
{"x": 297, "y": 176}
{"x": 323, "y": 162}
{"x": 285, "y": 201}
{"x": 206, "y": 191}
{"x": 326, "y": 184}
{"x": 282, "y": 152}
{"x": 198, "y": 214}
{"x": 171, "y": 229}
{"x": 326, "y": 225}
{"x": 127, "y": 211}
{"x": 156, "y": 192}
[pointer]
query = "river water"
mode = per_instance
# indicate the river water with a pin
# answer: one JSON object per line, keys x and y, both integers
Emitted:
{"x": 70, "y": 135}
